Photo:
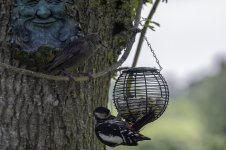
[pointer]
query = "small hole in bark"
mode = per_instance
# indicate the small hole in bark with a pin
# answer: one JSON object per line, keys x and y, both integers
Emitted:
{"x": 118, "y": 4}
{"x": 118, "y": 27}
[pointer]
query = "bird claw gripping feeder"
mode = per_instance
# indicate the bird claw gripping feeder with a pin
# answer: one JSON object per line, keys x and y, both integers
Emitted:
{"x": 141, "y": 92}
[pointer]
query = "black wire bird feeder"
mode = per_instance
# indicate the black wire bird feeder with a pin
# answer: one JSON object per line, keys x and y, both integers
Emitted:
{"x": 139, "y": 91}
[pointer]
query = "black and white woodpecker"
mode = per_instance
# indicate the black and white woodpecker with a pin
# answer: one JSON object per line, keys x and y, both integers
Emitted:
{"x": 75, "y": 53}
{"x": 113, "y": 132}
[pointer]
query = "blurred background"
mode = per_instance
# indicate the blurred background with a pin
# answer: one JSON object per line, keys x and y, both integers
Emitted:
{"x": 191, "y": 47}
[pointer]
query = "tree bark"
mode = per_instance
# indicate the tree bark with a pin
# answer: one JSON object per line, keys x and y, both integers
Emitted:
{"x": 40, "y": 114}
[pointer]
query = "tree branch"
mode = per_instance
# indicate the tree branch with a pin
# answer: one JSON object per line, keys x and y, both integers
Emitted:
{"x": 143, "y": 32}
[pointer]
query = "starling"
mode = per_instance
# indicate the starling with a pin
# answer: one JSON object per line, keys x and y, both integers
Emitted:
{"x": 75, "y": 53}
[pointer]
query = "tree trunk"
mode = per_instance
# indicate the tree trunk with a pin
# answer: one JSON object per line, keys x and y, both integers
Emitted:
{"x": 41, "y": 114}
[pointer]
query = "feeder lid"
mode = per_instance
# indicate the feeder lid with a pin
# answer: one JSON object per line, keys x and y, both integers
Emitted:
{"x": 140, "y": 69}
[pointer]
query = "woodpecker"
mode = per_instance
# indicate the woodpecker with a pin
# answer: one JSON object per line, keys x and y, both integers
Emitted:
{"x": 75, "y": 53}
{"x": 113, "y": 132}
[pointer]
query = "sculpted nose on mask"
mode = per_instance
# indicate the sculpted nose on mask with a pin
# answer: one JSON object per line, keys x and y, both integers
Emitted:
{"x": 43, "y": 11}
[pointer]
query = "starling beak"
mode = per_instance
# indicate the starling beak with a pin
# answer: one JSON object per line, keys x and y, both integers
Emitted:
{"x": 75, "y": 53}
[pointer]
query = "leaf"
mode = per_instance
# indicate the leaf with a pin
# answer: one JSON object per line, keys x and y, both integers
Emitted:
{"x": 151, "y": 27}
{"x": 156, "y": 23}
{"x": 149, "y": 1}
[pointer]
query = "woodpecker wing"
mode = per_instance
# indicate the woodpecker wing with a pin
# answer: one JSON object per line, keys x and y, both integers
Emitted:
{"x": 117, "y": 133}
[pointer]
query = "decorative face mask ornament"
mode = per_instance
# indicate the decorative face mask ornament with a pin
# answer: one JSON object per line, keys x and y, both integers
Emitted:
{"x": 42, "y": 22}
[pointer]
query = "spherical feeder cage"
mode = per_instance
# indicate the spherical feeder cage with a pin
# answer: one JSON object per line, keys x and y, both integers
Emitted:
{"x": 138, "y": 91}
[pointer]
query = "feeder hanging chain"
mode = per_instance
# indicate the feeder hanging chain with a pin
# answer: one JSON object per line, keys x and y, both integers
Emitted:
{"x": 157, "y": 61}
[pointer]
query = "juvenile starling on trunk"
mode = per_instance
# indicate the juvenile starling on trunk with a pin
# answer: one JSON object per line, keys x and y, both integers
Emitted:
{"x": 75, "y": 53}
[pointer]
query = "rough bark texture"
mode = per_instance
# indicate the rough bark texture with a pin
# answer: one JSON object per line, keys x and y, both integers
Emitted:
{"x": 38, "y": 114}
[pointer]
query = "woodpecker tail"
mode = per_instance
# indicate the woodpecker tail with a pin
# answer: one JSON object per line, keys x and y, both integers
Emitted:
{"x": 145, "y": 138}
{"x": 142, "y": 138}
{"x": 143, "y": 121}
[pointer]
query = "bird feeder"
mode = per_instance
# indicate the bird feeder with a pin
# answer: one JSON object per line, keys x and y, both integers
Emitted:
{"x": 138, "y": 91}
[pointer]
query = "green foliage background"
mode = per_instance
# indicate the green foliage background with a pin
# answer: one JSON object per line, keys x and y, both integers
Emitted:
{"x": 194, "y": 120}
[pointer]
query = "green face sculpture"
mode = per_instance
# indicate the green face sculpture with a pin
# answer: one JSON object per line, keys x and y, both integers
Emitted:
{"x": 42, "y": 22}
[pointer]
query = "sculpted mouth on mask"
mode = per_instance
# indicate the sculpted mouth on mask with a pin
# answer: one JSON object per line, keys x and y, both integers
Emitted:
{"x": 43, "y": 22}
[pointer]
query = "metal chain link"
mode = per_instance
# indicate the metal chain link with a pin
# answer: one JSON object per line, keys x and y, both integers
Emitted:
{"x": 149, "y": 45}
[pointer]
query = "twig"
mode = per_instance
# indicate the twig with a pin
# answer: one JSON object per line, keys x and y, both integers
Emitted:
{"x": 32, "y": 73}
{"x": 143, "y": 32}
